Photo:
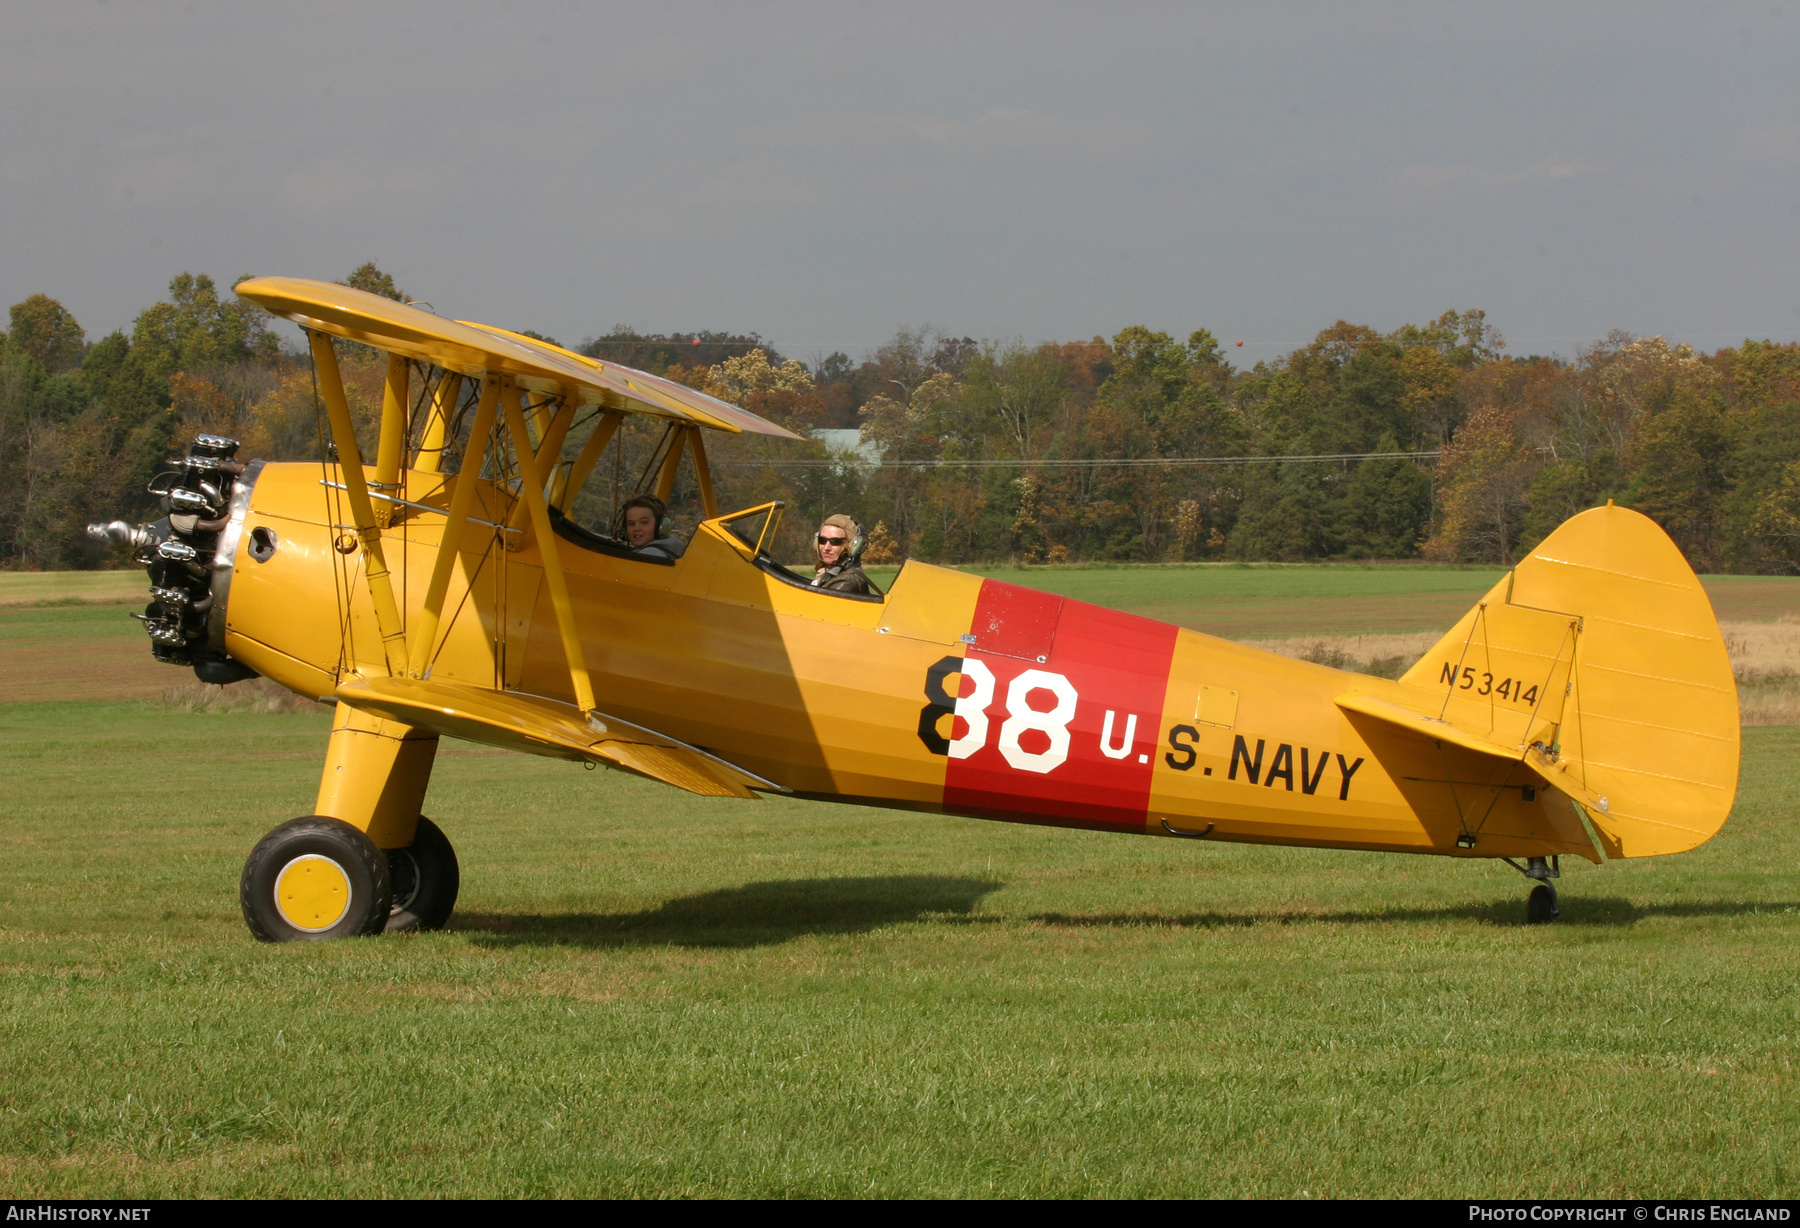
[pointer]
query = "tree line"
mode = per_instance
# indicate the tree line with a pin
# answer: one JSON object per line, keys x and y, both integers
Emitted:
{"x": 1429, "y": 441}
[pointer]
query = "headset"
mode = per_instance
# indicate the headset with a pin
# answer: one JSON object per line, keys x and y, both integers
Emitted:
{"x": 657, "y": 508}
{"x": 854, "y": 547}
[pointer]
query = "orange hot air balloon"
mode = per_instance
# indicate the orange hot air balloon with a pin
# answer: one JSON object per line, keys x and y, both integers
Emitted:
{"x": 1240, "y": 343}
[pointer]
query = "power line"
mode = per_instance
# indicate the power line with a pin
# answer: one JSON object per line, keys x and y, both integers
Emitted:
{"x": 1085, "y": 463}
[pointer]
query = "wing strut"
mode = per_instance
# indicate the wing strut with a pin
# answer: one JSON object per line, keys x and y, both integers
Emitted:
{"x": 554, "y": 430}
{"x": 549, "y": 450}
{"x": 572, "y": 482}
{"x": 443, "y": 407}
{"x": 390, "y": 451}
{"x": 362, "y": 508}
{"x": 703, "y": 473}
{"x": 462, "y": 497}
{"x": 531, "y": 486}
{"x": 665, "y": 481}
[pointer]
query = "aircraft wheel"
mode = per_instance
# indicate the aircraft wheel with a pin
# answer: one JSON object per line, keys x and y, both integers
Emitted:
{"x": 315, "y": 878}
{"x": 1541, "y": 905}
{"x": 425, "y": 879}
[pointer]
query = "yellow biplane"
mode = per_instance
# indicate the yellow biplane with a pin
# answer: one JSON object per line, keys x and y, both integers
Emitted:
{"x": 425, "y": 603}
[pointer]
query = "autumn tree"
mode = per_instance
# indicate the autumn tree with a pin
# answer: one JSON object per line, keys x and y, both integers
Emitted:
{"x": 1682, "y": 458}
{"x": 1760, "y": 383}
{"x": 685, "y": 357}
{"x": 909, "y": 430}
{"x": 1382, "y": 509}
{"x": 1483, "y": 478}
{"x": 1775, "y": 517}
{"x": 44, "y": 331}
{"x": 1280, "y": 517}
{"x": 1013, "y": 393}
{"x": 1036, "y": 452}
{"x": 371, "y": 280}
{"x": 193, "y": 329}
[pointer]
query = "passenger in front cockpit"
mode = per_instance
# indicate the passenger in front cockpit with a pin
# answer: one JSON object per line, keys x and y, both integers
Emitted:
{"x": 644, "y": 528}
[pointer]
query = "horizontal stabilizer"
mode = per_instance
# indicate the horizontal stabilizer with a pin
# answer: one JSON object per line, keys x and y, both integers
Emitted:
{"x": 1432, "y": 727}
{"x": 1552, "y": 771}
{"x": 541, "y": 726}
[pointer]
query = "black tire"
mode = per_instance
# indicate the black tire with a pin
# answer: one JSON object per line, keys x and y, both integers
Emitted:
{"x": 425, "y": 878}
{"x": 1541, "y": 906}
{"x": 313, "y": 860}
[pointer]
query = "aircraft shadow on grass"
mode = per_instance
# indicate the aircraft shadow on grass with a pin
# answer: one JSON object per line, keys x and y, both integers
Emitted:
{"x": 756, "y": 914}
{"x": 769, "y": 913}
{"x": 1607, "y": 911}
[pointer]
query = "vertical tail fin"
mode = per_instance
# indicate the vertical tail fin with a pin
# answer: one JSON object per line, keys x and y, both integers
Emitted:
{"x": 1599, "y": 661}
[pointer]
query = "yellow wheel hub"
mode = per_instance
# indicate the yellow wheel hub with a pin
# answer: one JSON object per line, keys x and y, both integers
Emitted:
{"x": 312, "y": 893}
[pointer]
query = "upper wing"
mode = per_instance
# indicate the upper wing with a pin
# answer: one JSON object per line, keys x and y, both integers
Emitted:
{"x": 546, "y": 727}
{"x": 478, "y": 350}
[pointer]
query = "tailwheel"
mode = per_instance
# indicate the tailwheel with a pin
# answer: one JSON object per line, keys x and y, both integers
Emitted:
{"x": 315, "y": 878}
{"x": 425, "y": 878}
{"x": 1541, "y": 905}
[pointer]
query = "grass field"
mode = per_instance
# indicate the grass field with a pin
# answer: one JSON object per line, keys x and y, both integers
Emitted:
{"x": 648, "y": 993}
{"x": 1245, "y": 601}
{"x": 25, "y": 588}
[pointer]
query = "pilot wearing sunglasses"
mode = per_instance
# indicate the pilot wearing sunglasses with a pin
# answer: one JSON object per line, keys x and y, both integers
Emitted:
{"x": 840, "y": 543}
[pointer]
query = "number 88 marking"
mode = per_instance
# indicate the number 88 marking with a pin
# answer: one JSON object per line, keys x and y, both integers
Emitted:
{"x": 1054, "y": 724}
{"x": 1020, "y": 716}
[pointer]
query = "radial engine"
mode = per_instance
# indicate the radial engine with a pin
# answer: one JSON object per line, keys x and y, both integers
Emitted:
{"x": 190, "y": 554}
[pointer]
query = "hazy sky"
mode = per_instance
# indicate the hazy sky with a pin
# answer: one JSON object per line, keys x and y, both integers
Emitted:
{"x": 823, "y": 173}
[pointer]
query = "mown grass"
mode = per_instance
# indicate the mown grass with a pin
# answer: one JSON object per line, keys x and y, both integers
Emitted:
{"x": 1279, "y": 600}
{"x": 72, "y": 587}
{"x": 1238, "y": 600}
{"x": 51, "y": 651}
{"x": 647, "y": 993}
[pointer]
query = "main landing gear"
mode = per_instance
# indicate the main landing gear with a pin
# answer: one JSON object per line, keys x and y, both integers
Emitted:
{"x": 1541, "y": 906}
{"x": 366, "y": 861}
{"x": 318, "y": 877}
{"x": 425, "y": 878}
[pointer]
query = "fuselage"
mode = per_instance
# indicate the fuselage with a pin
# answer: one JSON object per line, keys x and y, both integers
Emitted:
{"x": 952, "y": 693}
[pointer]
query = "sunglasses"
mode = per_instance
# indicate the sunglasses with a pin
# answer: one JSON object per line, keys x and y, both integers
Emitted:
{"x": 831, "y": 541}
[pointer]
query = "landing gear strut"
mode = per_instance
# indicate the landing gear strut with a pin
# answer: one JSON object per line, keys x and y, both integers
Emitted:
{"x": 1541, "y": 906}
{"x": 366, "y": 861}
